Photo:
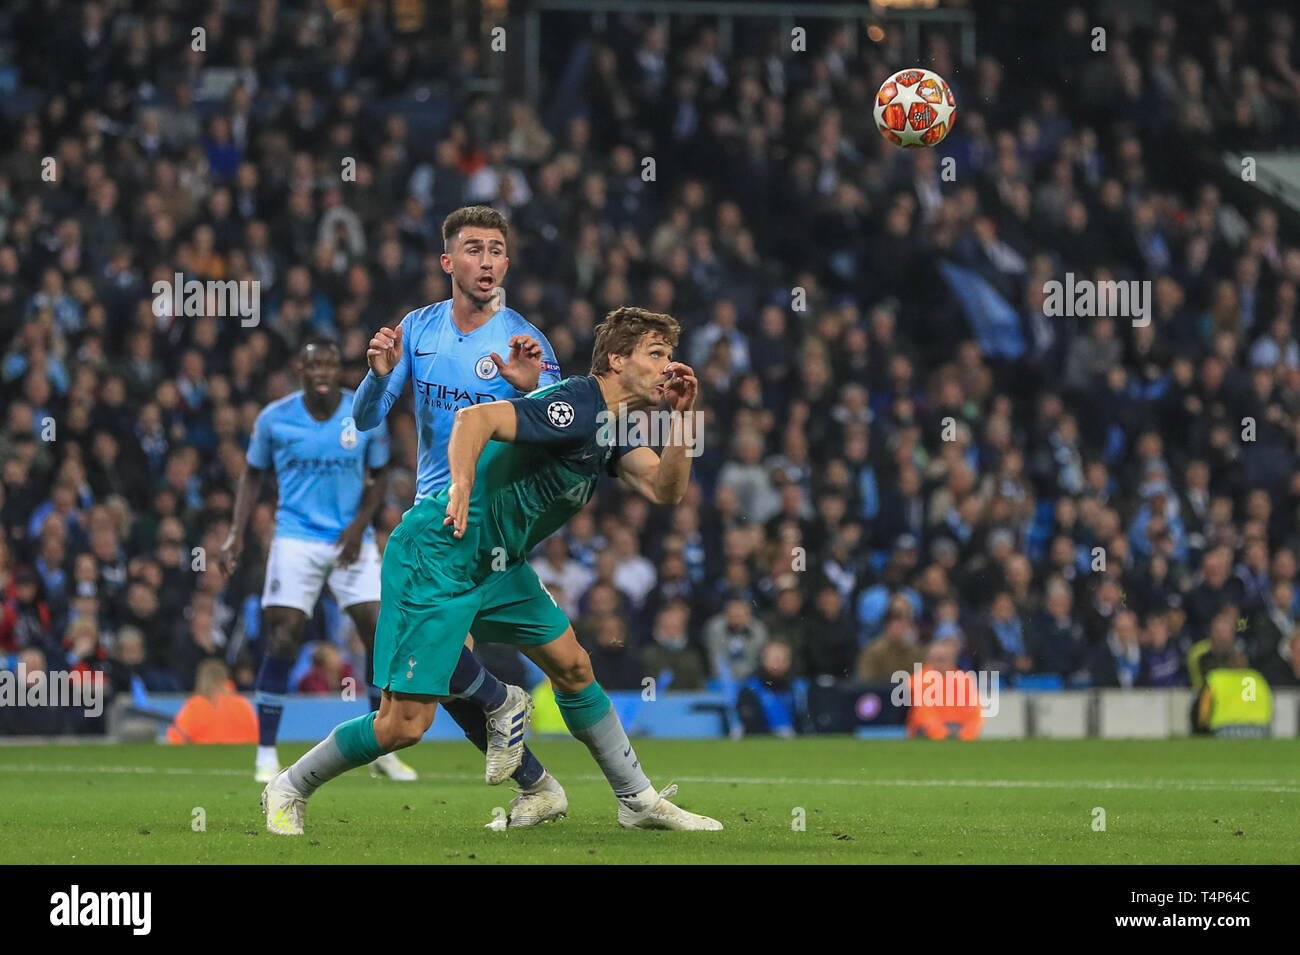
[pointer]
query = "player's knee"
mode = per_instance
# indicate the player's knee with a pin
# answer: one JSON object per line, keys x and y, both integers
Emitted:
{"x": 395, "y": 734}
{"x": 408, "y": 736}
{"x": 282, "y": 637}
{"x": 575, "y": 674}
{"x": 281, "y": 643}
{"x": 394, "y": 731}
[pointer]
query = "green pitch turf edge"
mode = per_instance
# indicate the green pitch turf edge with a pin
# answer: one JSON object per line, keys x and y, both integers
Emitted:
{"x": 818, "y": 800}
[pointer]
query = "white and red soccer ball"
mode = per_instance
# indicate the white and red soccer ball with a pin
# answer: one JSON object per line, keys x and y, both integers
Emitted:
{"x": 915, "y": 109}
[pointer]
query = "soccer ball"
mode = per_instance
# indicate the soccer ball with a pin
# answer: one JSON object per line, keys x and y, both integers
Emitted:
{"x": 915, "y": 108}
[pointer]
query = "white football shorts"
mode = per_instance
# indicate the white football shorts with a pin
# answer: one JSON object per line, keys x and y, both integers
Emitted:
{"x": 296, "y": 570}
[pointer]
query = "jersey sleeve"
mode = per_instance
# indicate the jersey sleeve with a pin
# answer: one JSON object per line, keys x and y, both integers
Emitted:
{"x": 377, "y": 446}
{"x": 550, "y": 373}
{"x": 375, "y": 395}
{"x": 259, "y": 445}
{"x": 566, "y": 415}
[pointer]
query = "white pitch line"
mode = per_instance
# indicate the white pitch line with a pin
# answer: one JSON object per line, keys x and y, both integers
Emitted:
{"x": 1190, "y": 785}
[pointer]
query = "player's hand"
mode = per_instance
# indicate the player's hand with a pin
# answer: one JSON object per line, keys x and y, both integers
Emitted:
{"x": 524, "y": 368}
{"x": 349, "y": 544}
{"x": 385, "y": 351}
{"x": 457, "y": 508}
{"x": 228, "y": 560}
{"x": 682, "y": 386}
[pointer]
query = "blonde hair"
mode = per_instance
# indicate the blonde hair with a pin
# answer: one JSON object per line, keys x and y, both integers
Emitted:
{"x": 210, "y": 680}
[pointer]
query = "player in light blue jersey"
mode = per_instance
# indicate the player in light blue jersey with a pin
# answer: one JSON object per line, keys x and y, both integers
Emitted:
{"x": 332, "y": 480}
{"x": 451, "y": 354}
{"x": 452, "y": 365}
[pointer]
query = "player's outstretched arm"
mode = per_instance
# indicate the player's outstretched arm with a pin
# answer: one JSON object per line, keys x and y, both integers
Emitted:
{"x": 383, "y": 384}
{"x": 475, "y": 426}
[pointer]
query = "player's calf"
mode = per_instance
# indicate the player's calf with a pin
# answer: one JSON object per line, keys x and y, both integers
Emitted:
{"x": 284, "y": 628}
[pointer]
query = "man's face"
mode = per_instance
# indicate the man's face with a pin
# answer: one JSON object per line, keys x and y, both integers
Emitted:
{"x": 789, "y": 603}
{"x": 896, "y": 630}
{"x": 672, "y": 624}
{"x": 776, "y": 658}
{"x": 828, "y": 602}
{"x": 737, "y": 615}
{"x": 642, "y": 372}
{"x": 943, "y": 655}
{"x": 142, "y": 601}
{"x": 1223, "y": 631}
{"x": 477, "y": 263}
{"x": 1058, "y": 604}
{"x": 320, "y": 370}
{"x": 1126, "y": 629}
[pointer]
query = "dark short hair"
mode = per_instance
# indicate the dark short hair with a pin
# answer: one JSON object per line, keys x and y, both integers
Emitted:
{"x": 484, "y": 217}
{"x": 623, "y": 329}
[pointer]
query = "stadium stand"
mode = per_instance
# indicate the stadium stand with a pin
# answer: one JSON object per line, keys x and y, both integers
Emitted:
{"x": 898, "y": 433}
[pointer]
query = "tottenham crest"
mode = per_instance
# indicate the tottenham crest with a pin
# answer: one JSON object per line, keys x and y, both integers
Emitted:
{"x": 560, "y": 413}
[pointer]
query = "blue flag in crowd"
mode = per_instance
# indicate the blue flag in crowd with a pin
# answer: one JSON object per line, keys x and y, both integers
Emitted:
{"x": 994, "y": 321}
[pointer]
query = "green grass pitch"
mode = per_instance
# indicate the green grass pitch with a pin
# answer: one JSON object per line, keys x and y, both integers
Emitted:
{"x": 1176, "y": 801}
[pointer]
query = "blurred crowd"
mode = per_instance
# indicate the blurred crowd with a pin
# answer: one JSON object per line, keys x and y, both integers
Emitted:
{"x": 1093, "y": 511}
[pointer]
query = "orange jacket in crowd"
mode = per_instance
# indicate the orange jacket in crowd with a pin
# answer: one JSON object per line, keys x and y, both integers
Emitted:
{"x": 960, "y": 717}
{"x": 230, "y": 720}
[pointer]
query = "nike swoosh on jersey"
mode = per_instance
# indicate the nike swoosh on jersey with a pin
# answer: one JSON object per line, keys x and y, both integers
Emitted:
{"x": 424, "y": 354}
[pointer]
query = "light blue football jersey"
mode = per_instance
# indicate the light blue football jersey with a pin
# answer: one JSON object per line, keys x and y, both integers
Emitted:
{"x": 448, "y": 370}
{"x": 320, "y": 465}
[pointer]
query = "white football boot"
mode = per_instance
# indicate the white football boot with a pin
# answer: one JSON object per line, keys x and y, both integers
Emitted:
{"x": 285, "y": 807}
{"x": 505, "y": 735}
{"x": 659, "y": 813}
{"x": 540, "y": 803}
{"x": 392, "y": 767}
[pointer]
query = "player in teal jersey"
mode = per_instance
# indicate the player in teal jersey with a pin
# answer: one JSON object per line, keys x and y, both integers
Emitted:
{"x": 519, "y": 470}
